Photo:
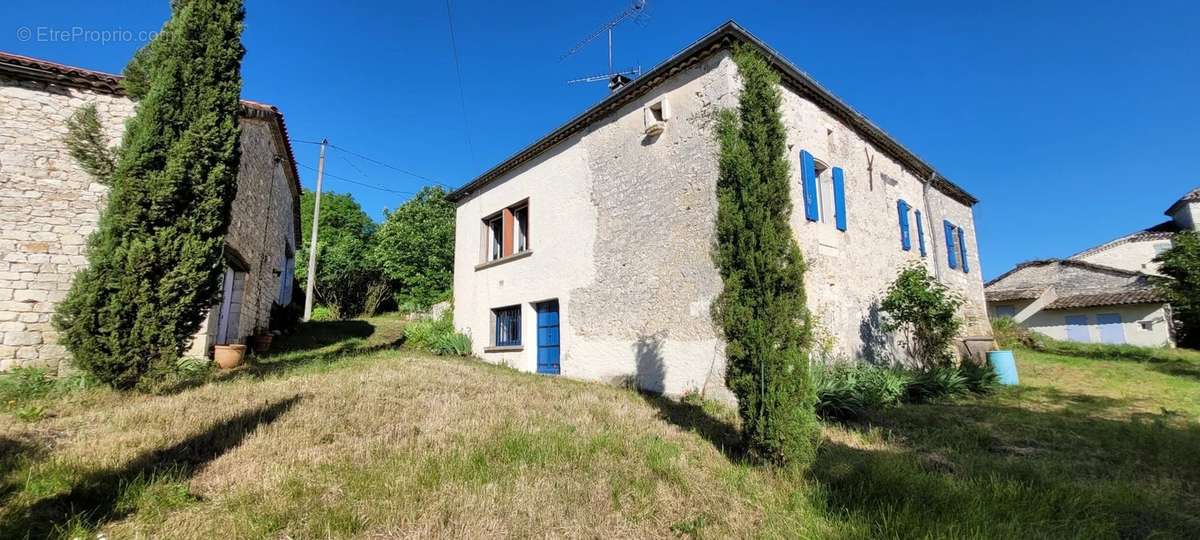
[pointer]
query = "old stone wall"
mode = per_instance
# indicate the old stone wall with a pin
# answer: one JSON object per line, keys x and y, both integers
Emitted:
{"x": 49, "y": 206}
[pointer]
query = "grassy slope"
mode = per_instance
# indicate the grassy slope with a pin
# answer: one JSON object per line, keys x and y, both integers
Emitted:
{"x": 349, "y": 437}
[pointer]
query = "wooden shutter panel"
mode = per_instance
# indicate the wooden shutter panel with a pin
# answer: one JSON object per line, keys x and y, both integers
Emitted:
{"x": 905, "y": 237}
{"x": 951, "y": 253}
{"x": 808, "y": 174}
{"x": 920, "y": 232}
{"x": 962, "y": 249}
{"x": 839, "y": 198}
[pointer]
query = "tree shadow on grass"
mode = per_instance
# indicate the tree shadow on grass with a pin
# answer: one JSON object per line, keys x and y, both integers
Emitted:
{"x": 95, "y": 498}
{"x": 315, "y": 335}
{"x": 985, "y": 470}
{"x": 323, "y": 342}
{"x": 13, "y": 453}
{"x": 1179, "y": 369}
{"x": 686, "y": 413}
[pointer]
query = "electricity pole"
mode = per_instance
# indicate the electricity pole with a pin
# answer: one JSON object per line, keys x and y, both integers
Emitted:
{"x": 312, "y": 243}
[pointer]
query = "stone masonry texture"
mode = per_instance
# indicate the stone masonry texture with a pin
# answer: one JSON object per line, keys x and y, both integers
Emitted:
{"x": 49, "y": 206}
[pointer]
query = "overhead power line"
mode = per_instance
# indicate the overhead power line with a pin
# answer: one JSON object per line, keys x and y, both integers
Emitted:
{"x": 363, "y": 184}
{"x": 390, "y": 166}
{"x": 462, "y": 99}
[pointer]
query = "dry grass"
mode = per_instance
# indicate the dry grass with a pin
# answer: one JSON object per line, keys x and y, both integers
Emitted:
{"x": 340, "y": 439}
{"x": 391, "y": 444}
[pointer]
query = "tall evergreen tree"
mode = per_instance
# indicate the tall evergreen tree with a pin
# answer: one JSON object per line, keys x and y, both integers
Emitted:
{"x": 155, "y": 260}
{"x": 762, "y": 309}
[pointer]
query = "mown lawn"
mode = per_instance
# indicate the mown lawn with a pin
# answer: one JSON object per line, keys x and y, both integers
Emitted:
{"x": 341, "y": 434}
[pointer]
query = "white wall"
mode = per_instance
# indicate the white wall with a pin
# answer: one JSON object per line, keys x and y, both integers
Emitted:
{"x": 1132, "y": 256}
{"x": 1053, "y": 323}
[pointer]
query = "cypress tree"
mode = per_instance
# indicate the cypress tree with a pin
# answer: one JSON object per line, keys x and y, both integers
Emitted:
{"x": 762, "y": 310}
{"x": 155, "y": 260}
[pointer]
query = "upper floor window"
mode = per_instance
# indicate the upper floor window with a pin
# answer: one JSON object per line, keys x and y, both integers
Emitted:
{"x": 506, "y": 232}
{"x": 495, "y": 233}
{"x": 824, "y": 191}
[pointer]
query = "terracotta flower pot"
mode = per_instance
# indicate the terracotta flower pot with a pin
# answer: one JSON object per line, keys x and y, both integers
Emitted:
{"x": 262, "y": 343}
{"x": 229, "y": 356}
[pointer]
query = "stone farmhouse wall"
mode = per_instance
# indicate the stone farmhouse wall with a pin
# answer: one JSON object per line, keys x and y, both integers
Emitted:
{"x": 49, "y": 206}
{"x": 622, "y": 228}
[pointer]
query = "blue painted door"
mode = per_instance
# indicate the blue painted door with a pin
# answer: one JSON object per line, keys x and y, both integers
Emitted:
{"x": 1111, "y": 330}
{"x": 1077, "y": 328}
{"x": 547, "y": 336}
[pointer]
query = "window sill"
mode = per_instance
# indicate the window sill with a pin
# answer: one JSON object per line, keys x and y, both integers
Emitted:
{"x": 502, "y": 260}
{"x": 506, "y": 348}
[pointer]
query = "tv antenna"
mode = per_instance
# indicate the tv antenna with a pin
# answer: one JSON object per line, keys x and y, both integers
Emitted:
{"x": 616, "y": 79}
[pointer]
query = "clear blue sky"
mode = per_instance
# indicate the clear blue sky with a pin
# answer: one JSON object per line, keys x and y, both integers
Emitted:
{"x": 1072, "y": 122}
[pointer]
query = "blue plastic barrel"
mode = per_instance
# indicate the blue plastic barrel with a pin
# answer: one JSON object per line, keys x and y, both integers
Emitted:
{"x": 1005, "y": 366}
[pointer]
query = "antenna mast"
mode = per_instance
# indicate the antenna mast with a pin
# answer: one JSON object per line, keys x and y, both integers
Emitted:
{"x": 616, "y": 79}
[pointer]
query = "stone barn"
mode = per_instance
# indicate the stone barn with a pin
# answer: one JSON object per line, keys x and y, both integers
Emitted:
{"x": 49, "y": 206}
{"x": 589, "y": 253}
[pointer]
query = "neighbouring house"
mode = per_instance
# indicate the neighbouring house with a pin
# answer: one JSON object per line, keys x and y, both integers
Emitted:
{"x": 1102, "y": 294}
{"x": 589, "y": 252}
{"x": 49, "y": 206}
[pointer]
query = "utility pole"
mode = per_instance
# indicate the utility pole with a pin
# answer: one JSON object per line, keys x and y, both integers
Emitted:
{"x": 312, "y": 243}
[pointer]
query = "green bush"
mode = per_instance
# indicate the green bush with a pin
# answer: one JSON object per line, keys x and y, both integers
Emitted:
{"x": 925, "y": 312}
{"x": 437, "y": 336}
{"x": 936, "y": 383}
{"x": 846, "y": 391}
{"x": 452, "y": 344}
{"x": 1180, "y": 284}
{"x": 980, "y": 378}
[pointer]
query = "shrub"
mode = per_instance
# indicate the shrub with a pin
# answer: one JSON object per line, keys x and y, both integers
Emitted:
{"x": 935, "y": 383}
{"x": 980, "y": 378}
{"x": 761, "y": 310}
{"x": 154, "y": 262}
{"x": 847, "y": 391}
{"x": 452, "y": 344}
{"x": 437, "y": 336}
{"x": 926, "y": 313}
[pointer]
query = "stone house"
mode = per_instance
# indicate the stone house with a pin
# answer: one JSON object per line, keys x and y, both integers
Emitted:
{"x": 49, "y": 206}
{"x": 1101, "y": 294}
{"x": 588, "y": 253}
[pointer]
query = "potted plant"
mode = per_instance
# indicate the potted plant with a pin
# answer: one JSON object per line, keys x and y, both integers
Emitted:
{"x": 262, "y": 340}
{"x": 229, "y": 356}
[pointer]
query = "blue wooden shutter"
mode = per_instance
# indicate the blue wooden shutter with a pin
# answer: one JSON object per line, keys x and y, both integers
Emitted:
{"x": 920, "y": 232}
{"x": 808, "y": 173}
{"x": 962, "y": 249}
{"x": 905, "y": 237}
{"x": 839, "y": 198}
{"x": 951, "y": 253}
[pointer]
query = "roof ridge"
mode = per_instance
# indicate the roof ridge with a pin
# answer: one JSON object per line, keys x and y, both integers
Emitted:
{"x": 721, "y": 37}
